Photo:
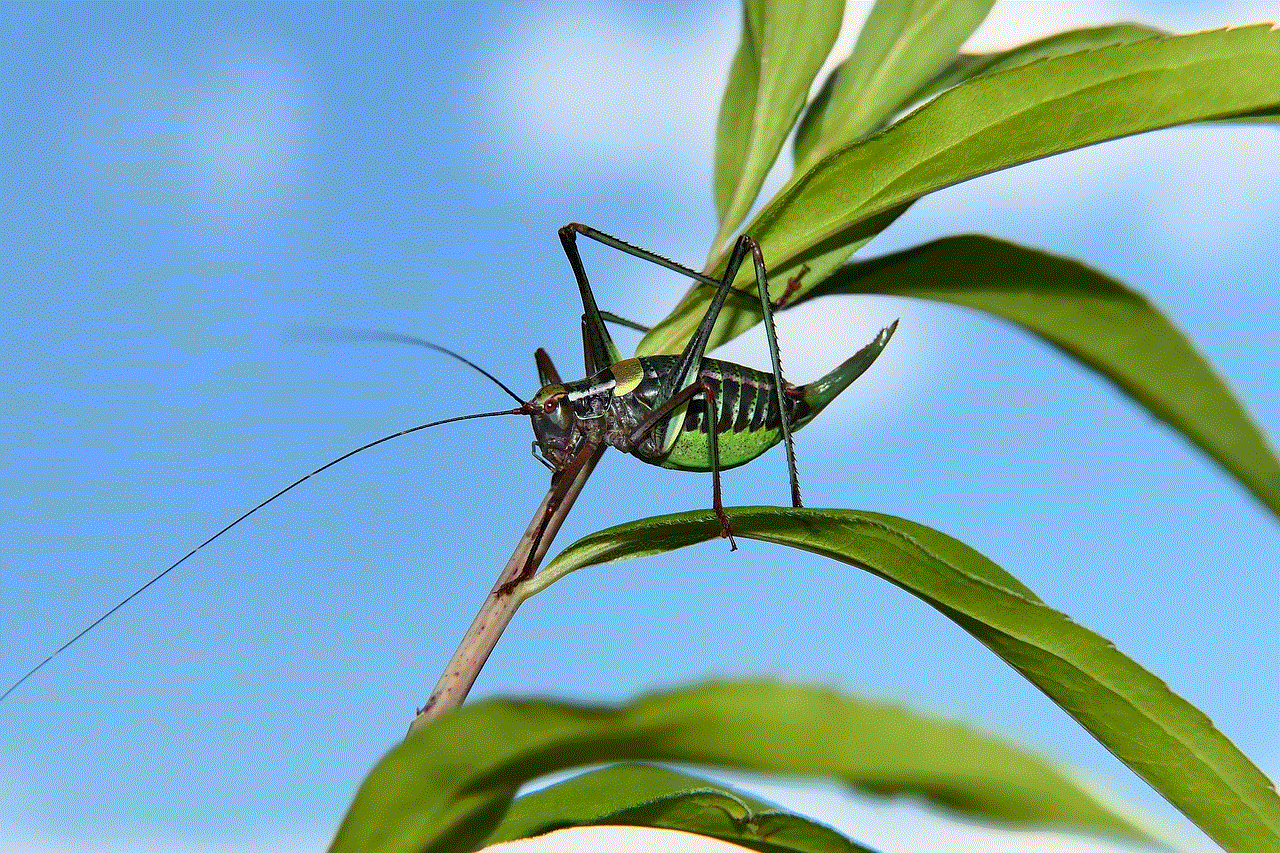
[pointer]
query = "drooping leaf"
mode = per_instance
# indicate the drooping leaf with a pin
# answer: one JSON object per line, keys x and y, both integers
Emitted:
{"x": 1092, "y": 318}
{"x": 983, "y": 125}
{"x": 903, "y": 44}
{"x": 448, "y": 785}
{"x": 658, "y": 798}
{"x": 784, "y": 43}
{"x": 1160, "y": 736}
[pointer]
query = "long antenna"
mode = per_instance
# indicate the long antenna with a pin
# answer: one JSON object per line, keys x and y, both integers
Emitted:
{"x": 139, "y": 590}
{"x": 395, "y": 337}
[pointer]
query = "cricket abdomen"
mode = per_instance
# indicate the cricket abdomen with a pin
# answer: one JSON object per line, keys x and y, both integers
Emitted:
{"x": 746, "y": 416}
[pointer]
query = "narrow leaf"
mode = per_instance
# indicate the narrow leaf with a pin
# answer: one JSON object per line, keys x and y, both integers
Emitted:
{"x": 784, "y": 43}
{"x": 1092, "y": 318}
{"x": 990, "y": 123}
{"x": 448, "y": 786}
{"x": 903, "y": 45}
{"x": 1160, "y": 736}
{"x": 969, "y": 65}
{"x": 655, "y": 797}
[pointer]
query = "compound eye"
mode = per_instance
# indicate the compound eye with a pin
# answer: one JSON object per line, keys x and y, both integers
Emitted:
{"x": 552, "y": 403}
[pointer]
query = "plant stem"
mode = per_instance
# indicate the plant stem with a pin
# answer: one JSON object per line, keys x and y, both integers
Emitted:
{"x": 500, "y": 605}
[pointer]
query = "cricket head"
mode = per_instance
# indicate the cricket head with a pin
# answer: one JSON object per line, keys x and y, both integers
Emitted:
{"x": 554, "y": 424}
{"x": 566, "y": 413}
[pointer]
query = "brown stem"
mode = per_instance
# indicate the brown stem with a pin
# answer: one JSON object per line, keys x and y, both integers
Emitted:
{"x": 504, "y": 598}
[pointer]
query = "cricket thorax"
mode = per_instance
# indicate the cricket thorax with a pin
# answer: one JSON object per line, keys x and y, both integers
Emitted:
{"x": 563, "y": 413}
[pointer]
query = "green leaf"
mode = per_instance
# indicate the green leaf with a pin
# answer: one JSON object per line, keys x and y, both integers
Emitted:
{"x": 1259, "y": 117}
{"x": 448, "y": 785}
{"x": 969, "y": 65}
{"x": 903, "y": 45}
{"x": 1160, "y": 736}
{"x": 1092, "y": 318}
{"x": 655, "y": 797}
{"x": 783, "y": 46}
{"x": 986, "y": 124}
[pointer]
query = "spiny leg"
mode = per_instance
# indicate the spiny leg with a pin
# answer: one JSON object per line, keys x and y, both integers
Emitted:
{"x": 691, "y": 358}
{"x": 686, "y": 380}
{"x": 713, "y": 446}
{"x": 693, "y": 352}
{"x": 780, "y": 383}
{"x": 568, "y": 233}
{"x": 598, "y": 350}
{"x": 688, "y": 374}
{"x": 788, "y": 293}
{"x": 663, "y": 414}
{"x": 573, "y": 228}
{"x": 689, "y": 367}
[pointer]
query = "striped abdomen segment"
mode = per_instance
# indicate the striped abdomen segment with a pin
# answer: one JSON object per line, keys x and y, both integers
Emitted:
{"x": 746, "y": 401}
{"x": 746, "y": 416}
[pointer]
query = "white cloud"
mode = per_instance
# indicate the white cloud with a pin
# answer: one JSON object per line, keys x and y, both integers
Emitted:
{"x": 1193, "y": 186}
{"x": 220, "y": 145}
{"x": 586, "y": 91}
{"x": 247, "y": 122}
{"x": 1189, "y": 188}
{"x": 1011, "y": 24}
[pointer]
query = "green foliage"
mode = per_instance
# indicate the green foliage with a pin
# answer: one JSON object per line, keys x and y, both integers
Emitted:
{"x": 783, "y": 46}
{"x": 449, "y": 785}
{"x": 982, "y": 125}
{"x": 902, "y": 46}
{"x": 453, "y": 785}
{"x": 658, "y": 798}
{"x": 1161, "y": 737}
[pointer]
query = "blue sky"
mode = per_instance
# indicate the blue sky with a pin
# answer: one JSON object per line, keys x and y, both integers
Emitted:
{"x": 188, "y": 186}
